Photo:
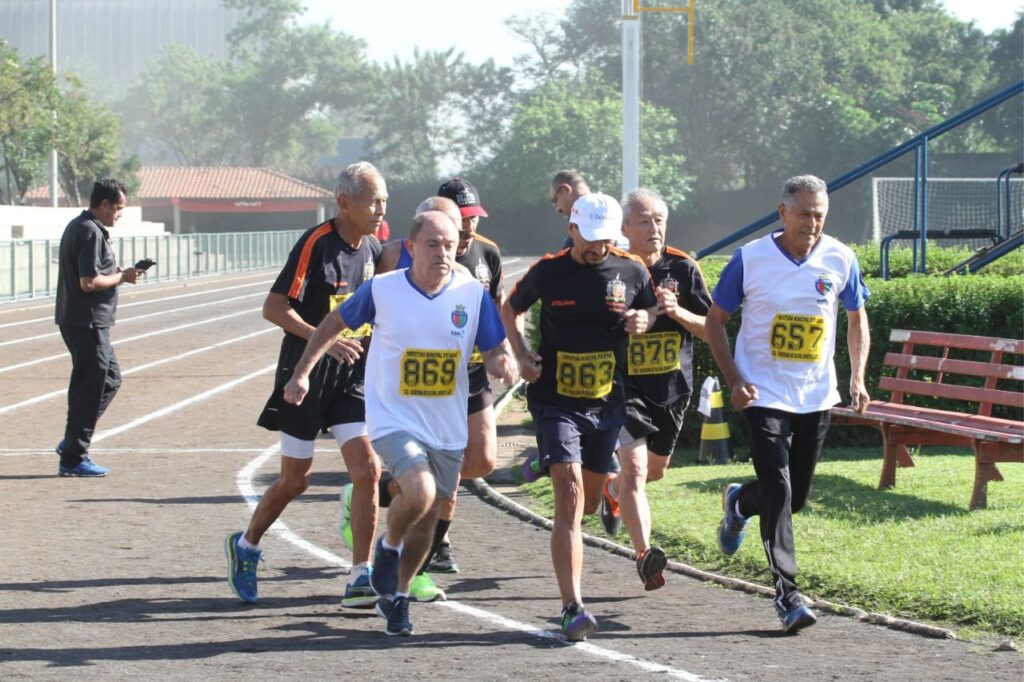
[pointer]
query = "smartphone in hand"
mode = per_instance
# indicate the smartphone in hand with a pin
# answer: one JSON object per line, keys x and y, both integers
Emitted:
{"x": 145, "y": 264}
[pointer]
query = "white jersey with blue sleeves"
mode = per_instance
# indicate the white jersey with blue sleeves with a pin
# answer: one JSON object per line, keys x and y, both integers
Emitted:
{"x": 787, "y": 336}
{"x": 416, "y": 376}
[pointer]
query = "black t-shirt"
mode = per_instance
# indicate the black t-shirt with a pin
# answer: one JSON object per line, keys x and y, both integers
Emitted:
{"x": 582, "y": 330}
{"x": 660, "y": 362}
{"x": 85, "y": 251}
{"x": 483, "y": 260}
{"x": 323, "y": 270}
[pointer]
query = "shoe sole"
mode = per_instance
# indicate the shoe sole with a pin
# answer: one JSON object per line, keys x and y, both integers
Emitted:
{"x": 805, "y": 621}
{"x": 65, "y": 474}
{"x": 366, "y": 602}
{"x": 229, "y": 552}
{"x": 652, "y": 568}
{"x": 581, "y": 633}
{"x": 440, "y": 596}
{"x": 433, "y": 568}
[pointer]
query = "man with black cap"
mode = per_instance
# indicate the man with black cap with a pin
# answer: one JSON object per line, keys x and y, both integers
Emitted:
{"x": 593, "y": 296}
{"x": 482, "y": 258}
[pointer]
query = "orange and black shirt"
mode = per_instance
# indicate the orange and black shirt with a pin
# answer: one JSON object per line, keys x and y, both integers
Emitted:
{"x": 583, "y": 339}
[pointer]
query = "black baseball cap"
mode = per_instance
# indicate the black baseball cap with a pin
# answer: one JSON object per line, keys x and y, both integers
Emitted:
{"x": 465, "y": 197}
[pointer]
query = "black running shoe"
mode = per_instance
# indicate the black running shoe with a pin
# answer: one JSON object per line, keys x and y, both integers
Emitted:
{"x": 443, "y": 560}
{"x": 650, "y": 565}
{"x": 396, "y": 612}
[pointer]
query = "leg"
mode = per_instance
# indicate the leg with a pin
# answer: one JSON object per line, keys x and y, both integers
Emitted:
{"x": 657, "y": 465}
{"x": 630, "y": 486}
{"x": 90, "y": 388}
{"x": 364, "y": 470}
{"x": 291, "y": 482}
{"x": 809, "y": 432}
{"x": 593, "y": 488}
{"x": 566, "y": 536}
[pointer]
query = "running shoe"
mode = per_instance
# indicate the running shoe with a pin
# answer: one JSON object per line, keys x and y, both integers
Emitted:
{"x": 384, "y": 575}
{"x": 60, "y": 447}
{"x": 359, "y": 594}
{"x": 443, "y": 560}
{"x": 345, "y": 519}
{"x": 395, "y": 611}
{"x": 650, "y": 565}
{"x": 796, "y": 617}
{"x": 242, "y": 568}
{"x": 422, "y": 589}
{"x": 84, "y": 469}
{"x": 532, "y": 468}
{"x": 610, "y": 518}
{"x": 577, "y": 624}
{"x": 733, "y": 527}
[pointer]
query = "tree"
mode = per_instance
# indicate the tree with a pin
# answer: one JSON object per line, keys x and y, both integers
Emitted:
{"x": 29, "y": 94}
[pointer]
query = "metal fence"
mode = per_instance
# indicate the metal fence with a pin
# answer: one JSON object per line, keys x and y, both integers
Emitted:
{"x": 28, "y": 267}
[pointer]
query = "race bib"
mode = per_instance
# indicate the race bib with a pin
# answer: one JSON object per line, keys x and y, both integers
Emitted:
{"x": 797, "y": 337}
{"x": 428, "y": 373}
{"x": 332, "y": 305}
{"x": 477, "y": 358}
{"x": 656, "y": 353}
{"x": 585, "y": 375}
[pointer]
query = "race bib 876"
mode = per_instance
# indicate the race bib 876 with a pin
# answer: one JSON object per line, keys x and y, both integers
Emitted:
{"x": 798, "y": 338}
{"x": 332, "y": 305}
{"x": 585, "y": 375}
{"x": 427, "y": 373}
{"x": 653, "y": 353}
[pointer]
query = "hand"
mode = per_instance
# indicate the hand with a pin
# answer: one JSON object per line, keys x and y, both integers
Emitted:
{"x": 742, "y": 395}
{"x": 345, "y": 350}
{"x": 667, "y": 301}
{"x": 636, "y": 321}
{"x": 130, "y": 275}
{"x": 296, "y": 389}
{"x": 507, "y": 369}
{"x": 530, "y": 366}
{"x": 859, "y": 397}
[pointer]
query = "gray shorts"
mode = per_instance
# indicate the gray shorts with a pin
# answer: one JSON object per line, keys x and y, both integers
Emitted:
{"x": 401, "y": 451}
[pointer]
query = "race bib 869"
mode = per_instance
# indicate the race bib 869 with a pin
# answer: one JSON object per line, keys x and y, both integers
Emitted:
{"x": 427, "y": 373}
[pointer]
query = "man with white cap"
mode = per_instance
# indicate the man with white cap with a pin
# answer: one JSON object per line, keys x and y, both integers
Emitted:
{"x": 593, "y": 296}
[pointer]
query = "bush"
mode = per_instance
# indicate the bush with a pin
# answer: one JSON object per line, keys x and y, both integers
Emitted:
{"x": 938, "y": 260}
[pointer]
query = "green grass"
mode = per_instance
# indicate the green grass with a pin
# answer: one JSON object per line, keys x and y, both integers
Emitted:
{"x": 914, "y": 551}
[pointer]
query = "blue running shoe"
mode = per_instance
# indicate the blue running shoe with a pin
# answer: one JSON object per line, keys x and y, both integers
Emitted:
{"x": 796, "y": 617}
{"x": 85, "y": 469}
{"x": 359, "y": 594}
{"x": 345, "y": 519}
{"x": 532, "y": 468}
{"x": 396, "y": 612}
{"x": 577, "y": 624}
{"x": 384, "y": 576}
{"x": 733, "y": 527}
{"x": 242, "y": 568}
{"x": 60, "y": 447}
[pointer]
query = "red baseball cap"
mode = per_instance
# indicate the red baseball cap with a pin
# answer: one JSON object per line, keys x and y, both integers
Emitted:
{"x": 465, "y": 197}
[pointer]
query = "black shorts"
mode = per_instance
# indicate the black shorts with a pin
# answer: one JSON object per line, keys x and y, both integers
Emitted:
{"x": 335, "y": 395}
{"x": 480, "y": 394}
{"x": 659, "y": 424}
{"x": 573, "y": 436}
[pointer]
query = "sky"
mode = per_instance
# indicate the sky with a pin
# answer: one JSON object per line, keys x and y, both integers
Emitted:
{"x": 477, "y": 27}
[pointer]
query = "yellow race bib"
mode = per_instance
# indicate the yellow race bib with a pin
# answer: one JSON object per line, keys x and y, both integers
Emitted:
{"x": 477, "y": 358}
{"x": 585, "y": 375}
{"x": 427, "y": 373}
{"x": 655, "y": 353}
{"x": 332, "y": 305}
{"x": 798, "y": 338}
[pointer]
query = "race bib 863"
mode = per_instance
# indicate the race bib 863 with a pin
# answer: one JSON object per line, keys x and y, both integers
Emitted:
{"x": 585, "y": 375}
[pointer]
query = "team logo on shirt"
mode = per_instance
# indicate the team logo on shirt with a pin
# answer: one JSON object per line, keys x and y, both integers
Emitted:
{"x": 482, "y": 272}
{"x": 823, "y": 284}
{"x": 368, "y": 269}
{"x": 670, "y": 283}
{"x": 460, "y": 317}
{"x": 616, "y": 290}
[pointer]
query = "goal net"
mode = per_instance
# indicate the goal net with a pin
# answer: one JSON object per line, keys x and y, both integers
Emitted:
{"x": 953, "y": 204}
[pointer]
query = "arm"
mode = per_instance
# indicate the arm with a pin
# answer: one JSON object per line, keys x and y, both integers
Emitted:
{"x": 323, "y": 337}
{"x": 514, "y": 323}
{"x": 668, "y": 304}
{"x": 858, "y": 338}
{"x": 639, "y": 320}
{"x": 500, "y": 363}
{"x": 276, "y": 309}
{"x": 100, "y": 282}
{"x": 741, "y": 393}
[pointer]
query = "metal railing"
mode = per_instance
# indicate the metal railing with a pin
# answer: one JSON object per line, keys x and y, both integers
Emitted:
{"x": 919, "y": 145}
{"x": 28, "y": 267}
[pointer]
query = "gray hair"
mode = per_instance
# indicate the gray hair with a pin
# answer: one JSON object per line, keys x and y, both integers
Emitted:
{"x": 444, "y": 205}
{"x": 638, "y": 194}
{"x": 352, "y": 179}
{"x": 420, "y": 220}
{"x": 801, "y": 183}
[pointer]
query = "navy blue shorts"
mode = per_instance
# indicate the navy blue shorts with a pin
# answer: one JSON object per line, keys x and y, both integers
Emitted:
{"x": 572, "y": 436}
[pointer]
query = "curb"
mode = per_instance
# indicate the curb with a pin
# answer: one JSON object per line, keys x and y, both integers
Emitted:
{"x": 485, "y": 492}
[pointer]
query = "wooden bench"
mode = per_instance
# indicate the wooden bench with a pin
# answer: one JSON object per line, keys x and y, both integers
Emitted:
{"x": 992, "y": 439}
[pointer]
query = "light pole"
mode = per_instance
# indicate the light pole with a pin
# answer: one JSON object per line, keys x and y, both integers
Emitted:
{"x": 53, "y": 67}
{"x": 630, "y": 96}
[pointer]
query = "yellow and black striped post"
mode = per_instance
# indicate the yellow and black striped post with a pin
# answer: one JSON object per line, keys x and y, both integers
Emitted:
{"x": 714, "y": 433}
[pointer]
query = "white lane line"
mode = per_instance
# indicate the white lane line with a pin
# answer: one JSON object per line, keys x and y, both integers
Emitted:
{"x": 171, "y": 311}
{"x": 29, "y": 363}
{"x": 244, "y": 482}
{"x": 181, "y": 404}
{"x": 170, "y": 450}
{"x": 195, "y": 351}
{"x": 121, "y": 306}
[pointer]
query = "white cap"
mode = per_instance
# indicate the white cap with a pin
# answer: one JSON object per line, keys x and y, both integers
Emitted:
{"x": 598, "y": 217}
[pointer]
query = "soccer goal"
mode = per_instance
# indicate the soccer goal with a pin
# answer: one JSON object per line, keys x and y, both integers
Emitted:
{"x": 953, "y": 204}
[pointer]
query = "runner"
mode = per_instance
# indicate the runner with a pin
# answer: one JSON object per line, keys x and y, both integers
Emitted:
{"x": 426, "y": 321}
{"x": 325, "y": 267}
{"x": 660, "y": 378}
{"x": 783, "y": 379}
{"x": 592, "y": 296}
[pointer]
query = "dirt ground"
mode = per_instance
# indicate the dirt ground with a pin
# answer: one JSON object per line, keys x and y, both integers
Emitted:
{"x": 124, "y": 577}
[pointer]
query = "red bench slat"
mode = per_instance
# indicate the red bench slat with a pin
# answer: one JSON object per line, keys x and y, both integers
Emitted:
{"x": 950, "y": 366}
{"x": 964, "y": 341}
{"x": 969, "y": 393}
